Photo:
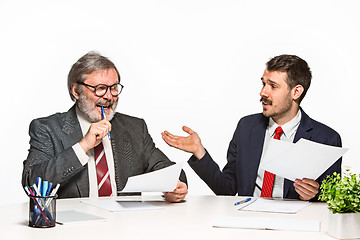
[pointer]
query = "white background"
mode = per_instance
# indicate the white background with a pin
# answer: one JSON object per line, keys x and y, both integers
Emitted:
{"x": 189, "y": 62}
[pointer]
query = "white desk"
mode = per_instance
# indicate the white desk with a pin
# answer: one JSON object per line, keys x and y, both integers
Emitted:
{"x": 192, "y": 219}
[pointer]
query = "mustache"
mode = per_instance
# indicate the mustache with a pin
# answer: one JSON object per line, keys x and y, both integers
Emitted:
{"x": 265, "y": 100}
{"x": 105, "y": 102}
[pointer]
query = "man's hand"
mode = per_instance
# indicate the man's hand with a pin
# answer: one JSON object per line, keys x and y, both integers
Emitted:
{"x": 178, "y": 194}
{"x": 191, "y": 143}
{"x": 95, "y": 134}
{"x": 306, "y": 188}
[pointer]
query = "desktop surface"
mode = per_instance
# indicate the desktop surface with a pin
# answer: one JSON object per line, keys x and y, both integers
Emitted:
{"x": 192, "y": 219}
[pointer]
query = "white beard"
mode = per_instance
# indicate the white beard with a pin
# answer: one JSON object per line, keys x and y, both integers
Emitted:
{"x": 88, "y": 109}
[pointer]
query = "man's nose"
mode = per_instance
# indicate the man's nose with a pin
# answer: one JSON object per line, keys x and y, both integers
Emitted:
{"x": 263, "y": 92}
{"x": 108, "y": 94}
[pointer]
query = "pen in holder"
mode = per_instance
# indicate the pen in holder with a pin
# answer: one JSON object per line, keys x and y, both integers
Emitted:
{"x": 42, "y": 211}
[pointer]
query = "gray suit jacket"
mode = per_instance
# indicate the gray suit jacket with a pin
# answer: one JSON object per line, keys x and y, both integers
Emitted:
{"x": 52, "y": 157}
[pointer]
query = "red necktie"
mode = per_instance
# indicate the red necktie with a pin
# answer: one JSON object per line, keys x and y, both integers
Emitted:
{"x": 102, "y": 172}
{"x": 269, "y": 177}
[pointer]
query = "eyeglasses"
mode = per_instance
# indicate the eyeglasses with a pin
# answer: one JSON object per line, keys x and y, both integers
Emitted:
{"x": 101, "y": 89}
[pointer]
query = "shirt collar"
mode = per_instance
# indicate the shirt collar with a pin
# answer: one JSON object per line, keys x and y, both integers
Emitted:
{"x": 289, "y": 128}
{"x": 84, "y": 123}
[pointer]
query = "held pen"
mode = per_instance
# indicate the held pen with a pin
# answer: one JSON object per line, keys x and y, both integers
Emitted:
{"x": 242, "y": 201}
{"x": 103, "y": 114}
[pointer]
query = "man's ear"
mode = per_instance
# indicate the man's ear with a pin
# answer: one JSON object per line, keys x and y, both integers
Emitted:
{"x": 75, "y": 91}
{"x": 297, "y": 91}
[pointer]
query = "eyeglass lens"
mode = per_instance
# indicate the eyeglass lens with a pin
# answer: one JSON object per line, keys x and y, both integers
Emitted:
{"x": 101, "y": 90}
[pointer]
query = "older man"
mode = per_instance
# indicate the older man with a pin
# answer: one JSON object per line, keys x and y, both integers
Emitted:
{"x": 91, "y": 150}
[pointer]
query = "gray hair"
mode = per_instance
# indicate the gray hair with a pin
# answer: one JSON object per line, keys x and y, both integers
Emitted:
{"x": 90, "y": 62}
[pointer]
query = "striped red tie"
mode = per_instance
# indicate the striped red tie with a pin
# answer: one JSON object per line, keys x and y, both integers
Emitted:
{"x": 102, "y": 172}
{"x": 269, "y": 177}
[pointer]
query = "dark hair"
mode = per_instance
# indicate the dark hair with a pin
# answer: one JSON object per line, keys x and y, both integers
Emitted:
{"x": 297, "y": 69}
{"x": 90, "y": 62}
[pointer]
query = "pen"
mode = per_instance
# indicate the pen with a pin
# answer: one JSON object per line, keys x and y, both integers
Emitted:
{"x": 103, "y": 114}
{"x": 52, "y": 194}
{"x": 242, "y": 201}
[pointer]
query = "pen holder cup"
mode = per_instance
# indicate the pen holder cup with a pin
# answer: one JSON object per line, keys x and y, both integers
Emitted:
{"x": 42, "y": 211}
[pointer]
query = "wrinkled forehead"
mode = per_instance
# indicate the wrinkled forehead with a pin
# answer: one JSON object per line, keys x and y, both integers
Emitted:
{"x": 278, "y": 77}
{"x": 103, "y": 76}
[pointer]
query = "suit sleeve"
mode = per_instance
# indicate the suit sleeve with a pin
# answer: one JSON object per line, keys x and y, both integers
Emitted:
{"x": 154, "y": 157}
{"x": 47, "y": 158}
{"x": 220, "y": 182}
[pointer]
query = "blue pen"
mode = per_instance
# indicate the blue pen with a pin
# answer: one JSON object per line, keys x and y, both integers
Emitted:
{"x": 103, "y": 114}
{"x": 242, "y": 201}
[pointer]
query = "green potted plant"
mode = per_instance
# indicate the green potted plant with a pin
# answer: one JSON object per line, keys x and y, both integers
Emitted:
{"x": 342, "y": 196}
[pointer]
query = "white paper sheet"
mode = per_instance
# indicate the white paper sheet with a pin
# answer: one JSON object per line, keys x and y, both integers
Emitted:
{"x": 118, "y": 206}
{"x": 275, "y": 205}
{"x": 304, "y": 159}
{"x": 163, "y": 180}
{"x": 268, "y": 223}
{"x": 72, "y": 217}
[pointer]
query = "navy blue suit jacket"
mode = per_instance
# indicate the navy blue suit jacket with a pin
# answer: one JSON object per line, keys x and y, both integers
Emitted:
{"x": 244, "y": 154}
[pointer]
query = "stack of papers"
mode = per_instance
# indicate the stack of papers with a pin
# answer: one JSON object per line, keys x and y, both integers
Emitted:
{"x": 292, "y": 160}
{"x": 163, "y": 180}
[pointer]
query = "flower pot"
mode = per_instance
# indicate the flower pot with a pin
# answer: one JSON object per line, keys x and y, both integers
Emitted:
{"x": 344, "y": 225}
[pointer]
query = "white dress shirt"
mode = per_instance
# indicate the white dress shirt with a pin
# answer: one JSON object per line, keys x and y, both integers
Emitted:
{"x": 88, "y": 158}
{"x": 288, "y": 135}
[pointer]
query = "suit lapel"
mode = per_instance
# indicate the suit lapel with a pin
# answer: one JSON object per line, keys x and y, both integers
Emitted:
{"x": 72, "y": 135}
{"x": 71, "y": 128}
{"x": 256, "y": 141}
{"x": 122, "y": 151}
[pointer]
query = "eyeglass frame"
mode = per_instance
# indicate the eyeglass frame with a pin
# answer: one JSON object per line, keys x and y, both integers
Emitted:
{"x": 107, "y": 87}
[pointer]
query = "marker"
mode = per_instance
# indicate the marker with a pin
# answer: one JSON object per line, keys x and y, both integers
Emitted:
{"x": 103, "y": 114}
{"x": 52, "y": 194}
{"x": 45, "y": 188}
{"x": 38, "y": 182}
{"x": 36, "y": 190}
{"x": 48, "y": 190}
{"x": 242, "y": 201}
{"x": 27, "y": 190}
